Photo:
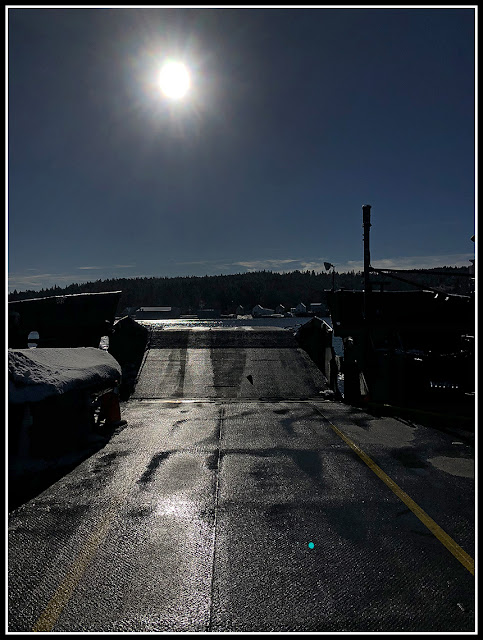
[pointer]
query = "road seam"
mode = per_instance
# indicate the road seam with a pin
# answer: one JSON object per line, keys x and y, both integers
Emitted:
{"x": 221, "y": 420}
{"x": 459, "y": 553}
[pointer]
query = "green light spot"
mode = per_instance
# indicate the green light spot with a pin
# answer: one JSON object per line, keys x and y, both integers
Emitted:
{"x": 311, "y": 545}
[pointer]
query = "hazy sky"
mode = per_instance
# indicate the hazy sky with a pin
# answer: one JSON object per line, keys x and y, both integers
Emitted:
{"x": 295, "y": 118}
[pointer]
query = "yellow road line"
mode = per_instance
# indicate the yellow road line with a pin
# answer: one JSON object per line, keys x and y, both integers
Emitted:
{"x": 459, "y": 553}
{"x": 60, "y": 598}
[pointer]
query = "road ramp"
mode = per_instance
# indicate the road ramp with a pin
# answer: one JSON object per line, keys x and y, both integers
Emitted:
{"x": 237, "y": 363}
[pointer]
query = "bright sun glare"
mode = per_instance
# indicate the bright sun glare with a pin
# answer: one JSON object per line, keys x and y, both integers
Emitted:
{"x": 174, "y": 79}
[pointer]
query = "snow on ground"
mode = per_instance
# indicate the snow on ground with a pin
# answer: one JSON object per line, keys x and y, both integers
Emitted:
{"x": 36, "y": 374}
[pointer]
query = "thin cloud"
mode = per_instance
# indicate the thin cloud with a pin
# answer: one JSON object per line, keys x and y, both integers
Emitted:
{"x": 272, "y": 265}
{"x": 88, "y": 268}
{"x": 318, "y": 265}
{"x": 284, "y": 265}
{"x": 42, "y": 280}
{"x": 22, "y": 281}
{"x": 410, "y": 262}
{"x": 112, "y": 266}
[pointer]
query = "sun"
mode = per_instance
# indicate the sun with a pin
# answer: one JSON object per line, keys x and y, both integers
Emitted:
{"x": 174, "y": 79}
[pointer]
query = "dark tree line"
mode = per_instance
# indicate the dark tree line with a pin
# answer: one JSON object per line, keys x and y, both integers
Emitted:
{"x": 227, "y": 292}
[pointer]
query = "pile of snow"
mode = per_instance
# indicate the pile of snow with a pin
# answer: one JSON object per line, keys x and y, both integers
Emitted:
{"x": 36, "y": 374}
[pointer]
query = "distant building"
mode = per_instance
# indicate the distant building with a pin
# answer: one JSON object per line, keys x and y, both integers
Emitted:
{"x": 301, "y": 311}
{"x": 280, "y": 309}
{"x": 319, "y": 308}
{"x": 259, "y": 312}
{"x": 240, "y": 311}
{"x": 157, "y": 313}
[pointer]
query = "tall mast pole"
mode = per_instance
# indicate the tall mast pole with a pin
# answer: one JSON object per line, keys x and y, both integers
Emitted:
{"x": 366, "y": 223}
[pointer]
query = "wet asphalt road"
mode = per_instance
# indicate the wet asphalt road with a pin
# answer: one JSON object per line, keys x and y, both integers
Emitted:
{"x": 197, "y": 515}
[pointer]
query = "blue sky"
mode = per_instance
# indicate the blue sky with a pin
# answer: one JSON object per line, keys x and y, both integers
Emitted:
{"x": 295, "y": 118}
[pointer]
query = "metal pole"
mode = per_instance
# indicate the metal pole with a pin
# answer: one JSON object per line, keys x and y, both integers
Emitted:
{"x": 366, "y": 223}
{"x": 366, "y": 358}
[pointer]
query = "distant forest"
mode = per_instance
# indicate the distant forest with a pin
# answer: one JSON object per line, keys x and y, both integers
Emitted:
{"x": 226, "y": 292}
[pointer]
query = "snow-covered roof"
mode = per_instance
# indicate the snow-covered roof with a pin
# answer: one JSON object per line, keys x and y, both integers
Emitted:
{"x": 36, "y": 374}
{"x": 258, "y": 309}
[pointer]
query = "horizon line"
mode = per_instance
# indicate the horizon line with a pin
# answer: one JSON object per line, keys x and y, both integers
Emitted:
{"x": 355, "y": 271}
